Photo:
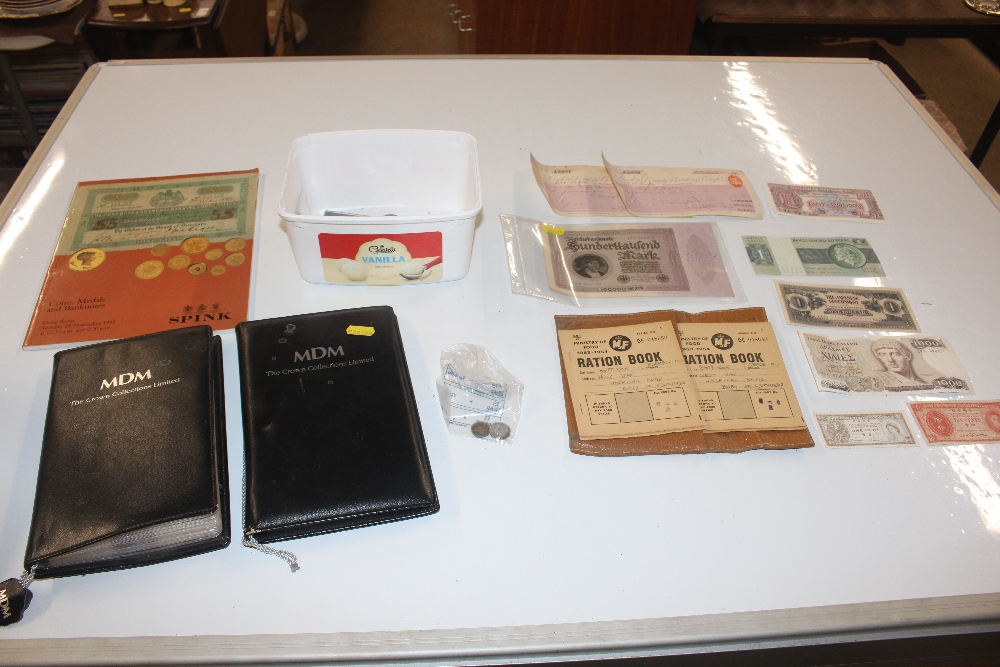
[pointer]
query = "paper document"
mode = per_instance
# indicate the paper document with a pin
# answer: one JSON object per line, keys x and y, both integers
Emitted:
{"x": 740, "y": 377}
{"x": 628, "y": 381}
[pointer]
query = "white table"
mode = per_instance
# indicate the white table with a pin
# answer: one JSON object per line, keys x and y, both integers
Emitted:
{"x": 535, "y": 550}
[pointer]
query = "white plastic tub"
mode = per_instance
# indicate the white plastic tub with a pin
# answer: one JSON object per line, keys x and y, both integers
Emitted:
{"x": 382, "y": 207}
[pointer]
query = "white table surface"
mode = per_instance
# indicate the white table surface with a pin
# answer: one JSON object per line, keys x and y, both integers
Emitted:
{"x": 536, "y": 549}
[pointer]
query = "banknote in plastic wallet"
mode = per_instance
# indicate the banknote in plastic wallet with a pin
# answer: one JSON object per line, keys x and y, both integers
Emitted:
{"x": 885, "y": 365}
{"x": 681, "y": 259}
{"x": 740, "y": 376}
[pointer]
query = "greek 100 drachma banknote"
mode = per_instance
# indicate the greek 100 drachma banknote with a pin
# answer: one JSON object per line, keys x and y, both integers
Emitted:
{"x": 803, "y": 256}
{"x": 885, "y": 365}
{"x": 879, "y": 308}
{"x": 865, "y": 429}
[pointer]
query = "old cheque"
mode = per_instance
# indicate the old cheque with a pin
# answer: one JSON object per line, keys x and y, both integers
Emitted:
{"x": 681, "y": 259}
{"x": 885, "y": 365}
{"x": 578, "y": 189}
{"x": 684, "y": 192}
{"x": 880, "y": 308}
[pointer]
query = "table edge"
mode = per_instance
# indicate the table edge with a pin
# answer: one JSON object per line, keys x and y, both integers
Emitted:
{"x": 659, "y": 636}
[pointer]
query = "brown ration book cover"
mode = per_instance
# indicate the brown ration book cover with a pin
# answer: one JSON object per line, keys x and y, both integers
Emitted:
{"x": 684, "y": 442}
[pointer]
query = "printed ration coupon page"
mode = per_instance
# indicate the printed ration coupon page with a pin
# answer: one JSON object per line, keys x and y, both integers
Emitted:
{"x": 628, "y": 381}
{"x": 740, "y": 376}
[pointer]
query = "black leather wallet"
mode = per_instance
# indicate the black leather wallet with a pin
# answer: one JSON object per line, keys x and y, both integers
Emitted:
{"x": 330, "y": 425}
{"x": 133, "y": 466}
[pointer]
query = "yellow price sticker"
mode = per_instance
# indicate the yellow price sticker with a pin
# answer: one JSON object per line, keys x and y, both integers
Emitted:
{"x": 355, "y": 330}
{"x": 551, "y": 229}
{"x": 118, "y": 16}
{"x": 184, "y": 9}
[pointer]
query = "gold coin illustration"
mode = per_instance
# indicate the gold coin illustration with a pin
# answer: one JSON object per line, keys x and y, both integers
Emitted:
{"x": 235, "y": 259}
{"x": 218, "y": 270}
{"x": 197, "y": 269}
{"x": 178, "y": 261}
{"x": 160, "y": 249}
{"x": 195, "y": 245}
{"x": 214, "y": 253}
{"x": 149, "y": 270}
{"x": 235, "y": 245}
{"x": 86, "y": 259}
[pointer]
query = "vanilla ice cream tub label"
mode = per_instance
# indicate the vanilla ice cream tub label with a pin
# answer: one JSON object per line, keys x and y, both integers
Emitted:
{"x": 387, "y": 259}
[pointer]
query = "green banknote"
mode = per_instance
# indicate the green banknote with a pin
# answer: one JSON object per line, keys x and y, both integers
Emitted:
{"x": 802, "y": 256}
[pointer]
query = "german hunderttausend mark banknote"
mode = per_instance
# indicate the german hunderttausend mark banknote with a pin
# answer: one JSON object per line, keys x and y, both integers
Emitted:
{"x": 809, "y": 201}
{"x": 881, "y": 308}
{"x": 864, "y": 429}
{"x": 801, "y": 256}
{"x": 885, "y": 365}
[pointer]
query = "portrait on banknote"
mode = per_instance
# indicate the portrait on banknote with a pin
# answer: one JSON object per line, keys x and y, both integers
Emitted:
{"x": 958, "y": 422}
{"x": 865, "y": 429}
{"x": 885, "y": 365}
{"x": 803, "y": 256}
{"x": 681, "y": 259}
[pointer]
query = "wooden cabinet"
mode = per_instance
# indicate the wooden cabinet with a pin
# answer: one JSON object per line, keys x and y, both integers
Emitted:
{"x": 633, "y": 27}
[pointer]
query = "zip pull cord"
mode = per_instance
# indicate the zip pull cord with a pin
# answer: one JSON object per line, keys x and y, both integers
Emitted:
{"x": 287, "y": 556}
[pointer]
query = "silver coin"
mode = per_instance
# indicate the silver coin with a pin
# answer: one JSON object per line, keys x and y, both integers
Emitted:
{"x": 480, "y": 429}
{"x": 499, "y": 430}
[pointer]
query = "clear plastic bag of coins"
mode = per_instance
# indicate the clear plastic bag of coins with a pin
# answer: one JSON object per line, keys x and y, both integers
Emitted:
{"x": 479, "y": 398}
